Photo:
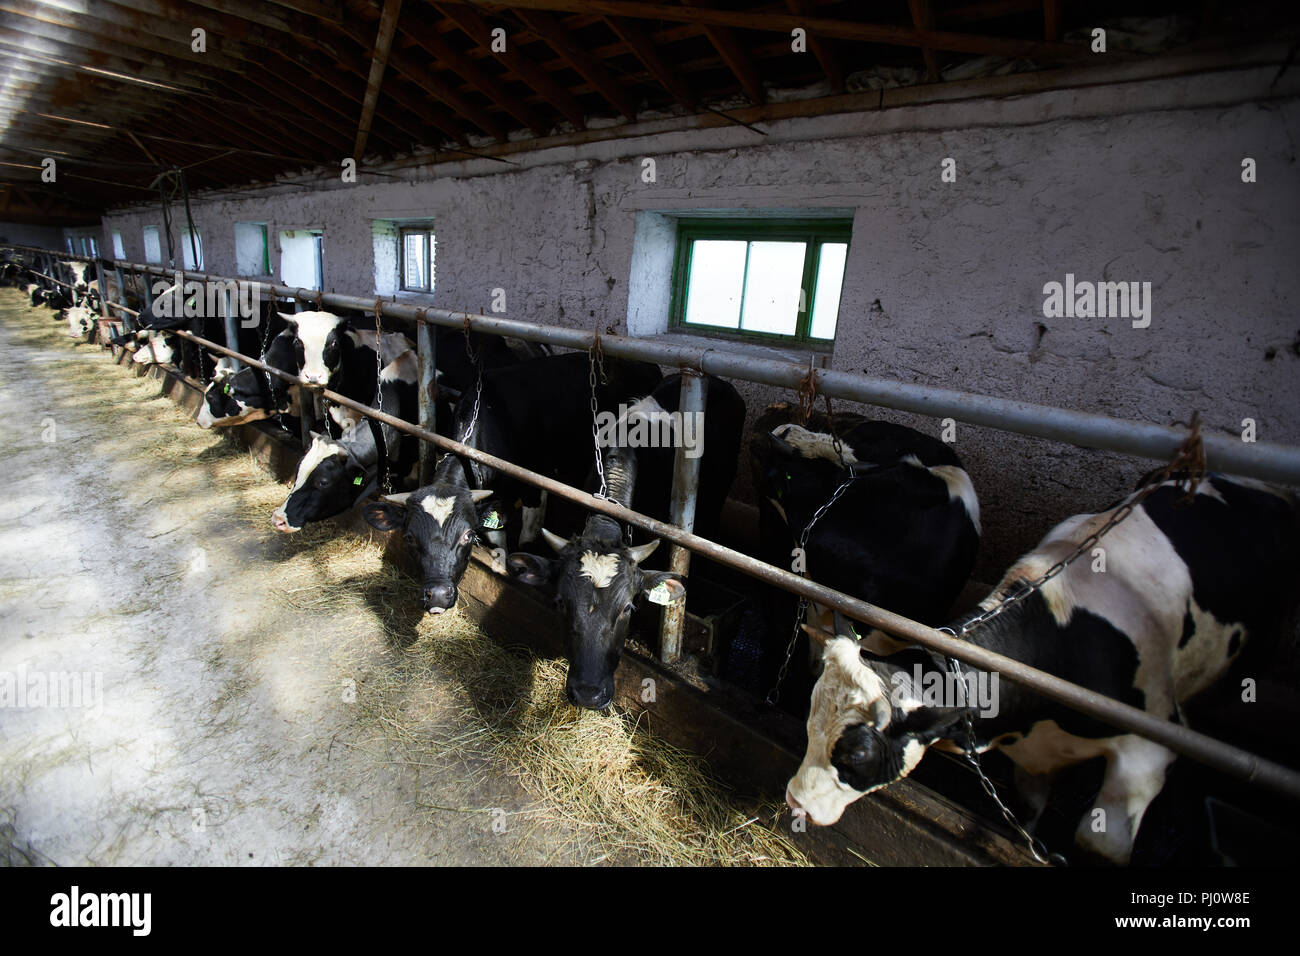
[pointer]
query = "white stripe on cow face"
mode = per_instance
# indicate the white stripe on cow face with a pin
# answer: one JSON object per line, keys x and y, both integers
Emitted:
{"x": 314, "y": 329}
{"x": 439, "y": 509}
{"x": 813, "y": 444}
{"x": 600, "y": 569}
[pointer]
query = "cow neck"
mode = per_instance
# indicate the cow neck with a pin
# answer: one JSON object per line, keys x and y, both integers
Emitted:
{"x": 453, "y": 471}
{"x": 620, "y": 483}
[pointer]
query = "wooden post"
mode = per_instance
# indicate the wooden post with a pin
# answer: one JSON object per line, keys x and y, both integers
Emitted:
{"x": 686, "y": 481}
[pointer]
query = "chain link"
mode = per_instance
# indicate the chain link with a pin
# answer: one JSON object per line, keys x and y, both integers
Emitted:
{"x": 386, "y": 479}
{"x": 775, "y": 693}
{"x": 596, "y": 356}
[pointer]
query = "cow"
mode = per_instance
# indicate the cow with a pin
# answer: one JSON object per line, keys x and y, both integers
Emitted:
{"x": 334, "y": 474}
{"x": 903, "y": 534}
{"x": 536, "y": 414}
{"x": 1185, "y": 586}
{"x": 76, "y": 273}
{"x": 597, "y": 577}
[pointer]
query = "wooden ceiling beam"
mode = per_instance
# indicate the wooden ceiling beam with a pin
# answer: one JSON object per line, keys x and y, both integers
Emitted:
{"x": 588, "y": 67}
{"x": 777, "y": 22}
{"x": 643, "y": 49}
{"x": 820, "y": 48}
{"x": 923, "y": 19}
{"x": 433, "y": 42}
{"x": 528, "y": 72}
{"x": 733, "y": 54}
{"x": 378, "y": 63}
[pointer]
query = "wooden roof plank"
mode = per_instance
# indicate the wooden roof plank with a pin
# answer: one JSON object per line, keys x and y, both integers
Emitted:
{"x": 378, "y": 63}
{"x": 588, "y": 67}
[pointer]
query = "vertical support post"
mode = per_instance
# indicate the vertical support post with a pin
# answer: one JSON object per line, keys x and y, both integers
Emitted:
{"x": 307, "y": 399}
{"x": 128, "y": 320}
{"x": 105, "y": 313}
{"x": 686, "y": 482}
{"x": 426, "y": 344}
{"x": 231, "y": 323}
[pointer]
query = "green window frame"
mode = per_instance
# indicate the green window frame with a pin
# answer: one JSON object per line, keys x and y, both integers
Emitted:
{"x": 812, "y": 232}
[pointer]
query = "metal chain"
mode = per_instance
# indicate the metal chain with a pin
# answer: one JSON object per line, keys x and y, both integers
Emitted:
{"x": 386, "y": 479}
{"x": 594, "y": 356}
{"x": 775, "y": 693}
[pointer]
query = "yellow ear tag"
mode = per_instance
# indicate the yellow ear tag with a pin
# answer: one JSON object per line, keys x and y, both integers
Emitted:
{"x": 659, "y": 594}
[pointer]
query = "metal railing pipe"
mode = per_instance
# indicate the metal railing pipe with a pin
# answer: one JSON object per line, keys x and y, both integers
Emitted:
{"x": 1267, "y": 461}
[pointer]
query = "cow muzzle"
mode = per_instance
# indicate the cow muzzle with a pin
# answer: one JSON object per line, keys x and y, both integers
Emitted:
{"x": 281, "y": 523}
{"x": 590, "y": 696}
{"x": 439, "y": 598}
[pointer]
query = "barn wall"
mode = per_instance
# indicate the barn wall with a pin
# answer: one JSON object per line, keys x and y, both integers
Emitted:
{"x": 26, "y": 234}
{"x": 1134, "y": 182}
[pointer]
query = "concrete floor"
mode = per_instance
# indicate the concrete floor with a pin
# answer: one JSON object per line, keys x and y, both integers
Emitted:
{"x": 136, "y": 550}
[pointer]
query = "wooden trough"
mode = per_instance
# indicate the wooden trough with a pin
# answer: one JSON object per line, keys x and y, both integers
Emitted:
{"x": 906, "y": 824}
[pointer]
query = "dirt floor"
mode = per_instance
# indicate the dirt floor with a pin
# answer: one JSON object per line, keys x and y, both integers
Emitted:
{"x": 245, "y": 698}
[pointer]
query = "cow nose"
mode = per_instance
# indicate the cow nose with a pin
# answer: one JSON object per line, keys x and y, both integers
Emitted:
{"x": 439, "y": 597}
{"x": 280, "y": 522}
{"x": 589, "y": 696}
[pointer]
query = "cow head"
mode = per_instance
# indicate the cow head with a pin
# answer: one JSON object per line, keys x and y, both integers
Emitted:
{"x": 597, "y": 581}
{"x": 439, "y": 523}
{"x": 867, "y": 726}
{"x": 318, "y": 344}
{"x": 328, "y": 482}
{"x": 233, "y": 398}
{"x": 80, "y": 321}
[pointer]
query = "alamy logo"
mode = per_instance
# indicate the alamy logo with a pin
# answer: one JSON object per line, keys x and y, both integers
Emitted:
{"x": 1087, "y": 300}
{"x": 646, "y": 425}
{"x": 930, "y": 688}
{"x": 53, "y": 689}
{"x": 179, "y": 298}
{"x": 103, "y": 909}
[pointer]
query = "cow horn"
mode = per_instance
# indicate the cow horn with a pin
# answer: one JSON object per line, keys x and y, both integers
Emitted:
{"x": 642, "y": 551}
{"x": 477, "y": 496}
{"x": 555, "y": 541}
{"x": 398, "y": 499}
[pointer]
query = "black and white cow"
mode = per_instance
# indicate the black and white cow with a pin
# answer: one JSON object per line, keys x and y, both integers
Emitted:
{"x": 903, "y": 535}
{"x": 81, "y": 321}
{"x": 597, "y": 577}
{"x": 1183, "y": 588}
{"x": 334, "y": 474}
{"x": 536, "y": 414}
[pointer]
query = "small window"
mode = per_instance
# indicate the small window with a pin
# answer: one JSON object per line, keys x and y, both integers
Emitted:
{"x": 152, "y": 245}
{"x": 192, "y": 252}
{"x": 119, "y": 250}
{"x": 72, "y": 250}
{"x": 302, "y": 258}
{"x": 417, "y": 248}
{"x": 92, "y": 247}
{"x": 251, "y": 255}
{"x": 769, "y": 279}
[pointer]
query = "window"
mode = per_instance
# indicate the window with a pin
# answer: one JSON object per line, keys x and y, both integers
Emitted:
{"x": 302, "y": 258}
{"x": 417, "y": 248}
{"x": 119, "y": 250}
{"x": 192, "y": 253}
{"x": 91, "y": 247}
{"x": 251, "y": 255}
{"x": 152, "y": 245}
{"x": 72, "y": 251}
{"x": 768, "y": 279}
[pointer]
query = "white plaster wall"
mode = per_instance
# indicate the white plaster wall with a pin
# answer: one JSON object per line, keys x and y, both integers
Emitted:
{"x": 944, "y": 281}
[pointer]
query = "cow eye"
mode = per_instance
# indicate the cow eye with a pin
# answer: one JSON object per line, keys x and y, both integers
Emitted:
{"x": 468, "y": 536}
{"x": 628, "y": 609}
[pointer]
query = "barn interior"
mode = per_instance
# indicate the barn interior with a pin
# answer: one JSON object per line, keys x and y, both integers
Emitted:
{"x": 547, "y": 161}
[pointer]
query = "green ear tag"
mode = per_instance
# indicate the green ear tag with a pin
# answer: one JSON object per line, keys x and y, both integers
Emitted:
{"x": 357, "y": 480}
{"x": 659, "y": 594}
{"x": 492, "y": 520}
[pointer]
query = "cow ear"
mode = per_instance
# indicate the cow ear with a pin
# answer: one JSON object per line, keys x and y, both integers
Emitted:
{"x": 529, "y": 568}
{"x": 384, "y": 515}
{"x": 663, "y": 587}
{"x": 935, "y": 723}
